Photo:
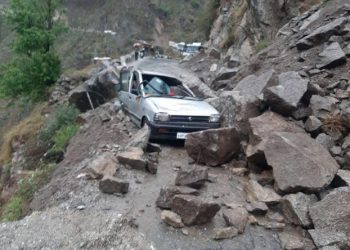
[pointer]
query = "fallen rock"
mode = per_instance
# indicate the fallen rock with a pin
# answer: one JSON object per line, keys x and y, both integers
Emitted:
{"x": 254, "y": 86}
{"x": 236, "y": 217}
{"x": 225, "y": 233}
{"x": 322, "y": 34}
{"x": 194, "y": 210}
{"x": 257, "y": 208}
{"x": 167, "y": 194}
{"x": 299, "y": 163}
{"x": 215, "y": 53}
{"x": 321, "y": 106}
{"x": 133, "y": 158}
{"x": 272, "y": 225}
{"x": 256, "y": 192}
{"x": 326, "y": 237}
{"x": 325, "y": 140}
{"x": 261, "y": 128}
{"x": 225, "y": 74}
{"x": 313, "y": 124}
{"x": 332, "y": 212}
{"x": 171, "y": 219}
{"x": 296, "y": 208}
{"x": 344, "y": 177}
{"x": 140, "y": 139}
{"x": 285, "y": 97}
{"x": 112, "y": 185}
{"x": 213, "y": 147}
{"x": 295, "y": 241}
{"x": 103, "y": 165}
{"x": 332, "y": 56}
{"x": 194, "y": 177}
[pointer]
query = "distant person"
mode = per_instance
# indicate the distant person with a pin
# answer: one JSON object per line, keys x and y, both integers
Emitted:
{"x": 152, "y": 51}
{"x": 136, "y": 55}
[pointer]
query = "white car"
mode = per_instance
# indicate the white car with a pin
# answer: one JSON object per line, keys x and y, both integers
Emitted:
{"x": 168, "y": 106}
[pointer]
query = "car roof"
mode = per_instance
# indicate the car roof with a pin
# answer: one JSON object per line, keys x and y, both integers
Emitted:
{"x": 148, "y": 72}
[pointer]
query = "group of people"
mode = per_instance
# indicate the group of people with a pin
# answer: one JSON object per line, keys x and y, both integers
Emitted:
{"x": 143, "y": 49}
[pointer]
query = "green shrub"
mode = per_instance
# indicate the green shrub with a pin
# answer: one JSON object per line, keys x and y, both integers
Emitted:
{"x": 62, "y": 137}
{"x": 62, "y": 116}
{"x": 13, "y": 209}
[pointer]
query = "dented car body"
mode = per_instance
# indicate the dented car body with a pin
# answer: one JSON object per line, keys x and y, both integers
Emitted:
{"x": 165, "y": 104}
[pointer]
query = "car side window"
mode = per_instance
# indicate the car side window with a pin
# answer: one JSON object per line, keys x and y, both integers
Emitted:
{"x": 124, "y": 80}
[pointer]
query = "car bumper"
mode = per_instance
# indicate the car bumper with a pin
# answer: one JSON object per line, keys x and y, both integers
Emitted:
{"x": 169, "y": 130}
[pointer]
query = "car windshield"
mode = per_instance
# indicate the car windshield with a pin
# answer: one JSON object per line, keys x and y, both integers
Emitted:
{"x": 166, "y": 87}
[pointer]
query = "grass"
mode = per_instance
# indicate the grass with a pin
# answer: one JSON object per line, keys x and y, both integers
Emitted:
{"x": 261, "y": 45}
{"x": 17, "y": 206}
{"x": 25, "y": 129}
{"x": 62, "y": 138}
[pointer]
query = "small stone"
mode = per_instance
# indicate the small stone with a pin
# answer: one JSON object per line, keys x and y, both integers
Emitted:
{"x": 172, "y": 219}
{"x": 326, "y": 237}
{"x": 236, "y": 217}
{"x": 344, "y": 176}
{"x": 256, "y": 192}
{"x": 325, "y": 140}
{"x": 193, "y": 177}
{"x": 332, "y": 56}
{"x": 133, "y": 158}
{"x": 167, "y": 194}
{"x": 225, "y": 233}
{"x": 313, "y": 124}
{"x": 335, "y": 151}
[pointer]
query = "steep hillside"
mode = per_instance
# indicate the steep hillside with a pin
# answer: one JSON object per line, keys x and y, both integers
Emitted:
{"x": 151, "y": 20}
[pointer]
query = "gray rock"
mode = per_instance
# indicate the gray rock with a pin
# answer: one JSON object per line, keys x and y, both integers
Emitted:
{"x": 215, "y": 53}
{"x": 344, "y": 176}
{"x": 225, "y": 74}
{"x": 299, "y": 163}
{"x": 141, "y": 138}
{"x": 335, "y": 151}
{"x": 194, "y": 210}
{"x": 225, "y": 233}
{"x": 285, "y": 97}
{"x": 167, "y": 194}
{"x": 332, "y": 212}
{"x": 325, "y": 140}
{"x": 213, "y": 147}
{"x": 313, "y": 124}
{"x": 321, "y": 106}
{"x": 236, "y": 217}
{"x": 112, "y": 185}
{"x": 347, "y": 50}
{"x": 257, "y": 208}
{"x": 133, "y": 158}
{"x": 326, "y": 237}
{"x": 194, "y": 177}
{"x": 296, "y": 208}
{"x": 261, "y": 128}
{"x": 255, "y": 192}
{"x": 346, "y": 143}
{"x": 295, "y": 241}
{"x": 332, "y": 56}
{"x": 254, "y": 86}
{"x": 322, "y": 34}
{"x": 301, "y": 113}
{"x": 102, "y": 165}
{"x": 171, "y": 219}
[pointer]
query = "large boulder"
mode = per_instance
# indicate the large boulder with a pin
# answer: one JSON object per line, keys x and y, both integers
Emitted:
{"x": 286, "y": 96}
{"x": 296, "y": 208}
{"x": 133, "y": 158}
{"x": 254, "y": 86}
{"x": 322, "y": 34}
{"x": 213, "y": 147}
{"x": 167, "y": 194}
{"x": 102, "y": 165}
{"x": 194, "y": 177}
{"x": 299, "y": 162}
{"x": 111, "y": 185}
{"x": 332, "y": 212}
{"x": 194, "y": 210}
{"x": 261, "y": 128}
{"x": 332, "y": 56}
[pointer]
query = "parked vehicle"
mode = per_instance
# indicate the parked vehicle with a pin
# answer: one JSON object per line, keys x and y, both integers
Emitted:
{"x": 165, "y": 104}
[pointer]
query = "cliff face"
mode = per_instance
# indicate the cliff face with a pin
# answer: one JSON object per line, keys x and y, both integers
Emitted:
{"x": 242, "y": 25}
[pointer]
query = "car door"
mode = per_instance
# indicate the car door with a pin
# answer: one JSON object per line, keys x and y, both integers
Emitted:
{"x": 125, "y": 80}
{"x": 134, "y": 97}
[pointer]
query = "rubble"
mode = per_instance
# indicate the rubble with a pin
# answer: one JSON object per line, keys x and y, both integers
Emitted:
{"x": 194, "y": 177}
{"x": 332, "y": 56}
{"x": 133, "y": 158}
{"x": 112, "y": 185}
{"x": 167, "y": 194}
{"x": 236, "y": 217}
{"x": 225, "y": 233}
{"x": 171, "y": 219}
{"x": 102, "y": 165}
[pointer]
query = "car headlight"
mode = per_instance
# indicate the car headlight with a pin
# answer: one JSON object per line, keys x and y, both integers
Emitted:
{"x": 163, "y": 117}
{"x": 214, "y": 118}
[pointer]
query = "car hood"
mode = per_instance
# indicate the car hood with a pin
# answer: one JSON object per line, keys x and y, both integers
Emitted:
{"x": 176, "y": 106}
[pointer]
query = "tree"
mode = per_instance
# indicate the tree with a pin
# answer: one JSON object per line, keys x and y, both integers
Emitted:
{"x": 35, "y": 65}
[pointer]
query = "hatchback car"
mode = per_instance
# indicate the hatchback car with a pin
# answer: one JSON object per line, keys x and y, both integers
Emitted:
{"x": 168, "y": 106}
